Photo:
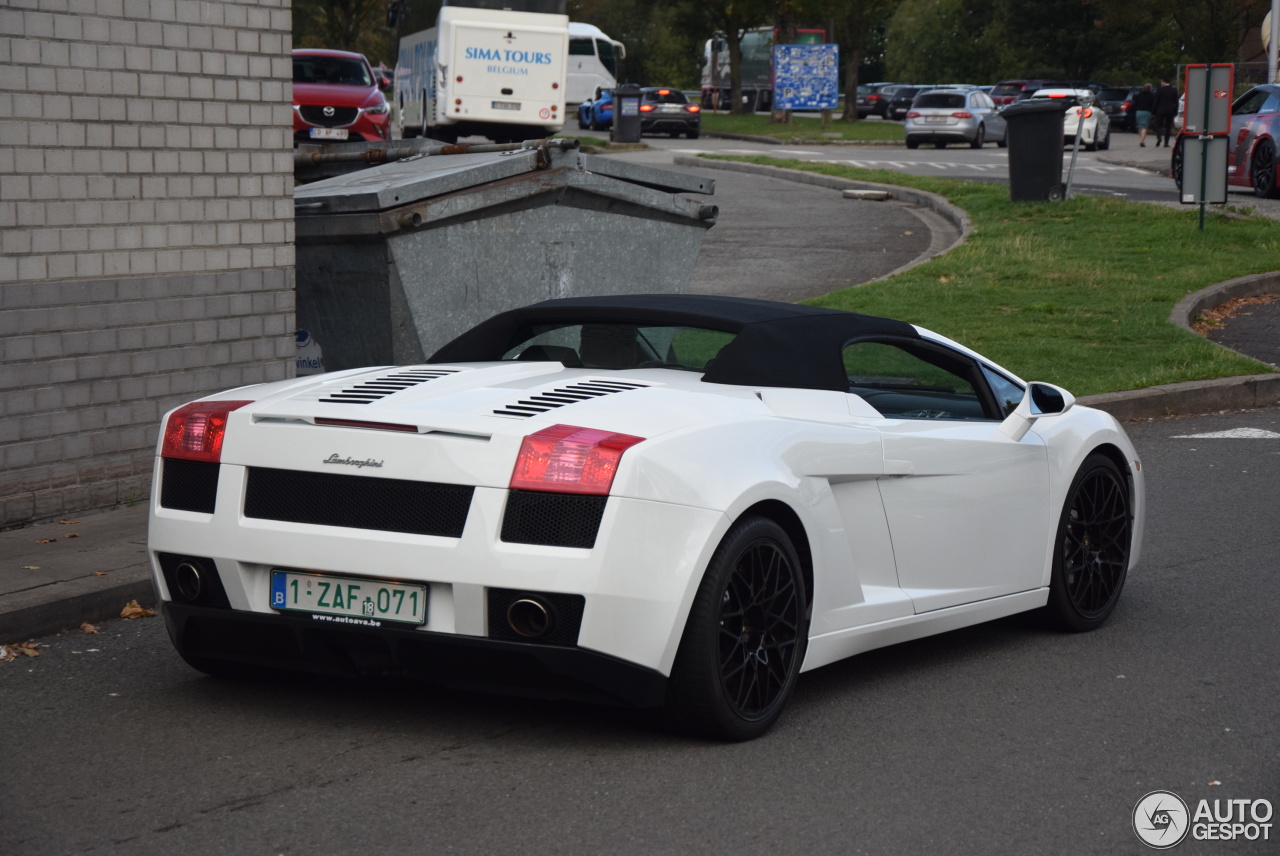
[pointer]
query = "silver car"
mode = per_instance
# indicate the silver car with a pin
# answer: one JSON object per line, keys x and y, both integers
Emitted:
{"x": 942, "y": 116}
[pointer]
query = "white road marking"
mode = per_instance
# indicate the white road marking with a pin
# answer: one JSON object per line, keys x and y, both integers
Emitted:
{"x": 1232, "y": 434}
{"x": 796, "y": 152}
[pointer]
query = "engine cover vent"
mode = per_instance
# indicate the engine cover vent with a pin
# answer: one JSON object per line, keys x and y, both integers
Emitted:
{"x": 562, "y": 395}
{"x": 367, "y": 391}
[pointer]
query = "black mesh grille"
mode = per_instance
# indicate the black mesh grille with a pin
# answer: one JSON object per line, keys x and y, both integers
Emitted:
{"x": 189, "y": 485}
{"x": 553, "y": 519}
{"x": 316, "y": 116}
{"x": 357, "y": 502}
{"x": 565, "y": 611}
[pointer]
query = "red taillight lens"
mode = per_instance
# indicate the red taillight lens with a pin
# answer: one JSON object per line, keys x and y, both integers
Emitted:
{"x": 693, "y": 108}
{"x": 195, "y": 431}
{"x": 1085, "y": 113}
{"x": 646, "y": 108}
{"x": 1126, "y": 106}
{"x": 962, "y": 114}
{"x": 569, "y": 459}
{"x": 873, "y": 97}
{"x": 912, "y": 114}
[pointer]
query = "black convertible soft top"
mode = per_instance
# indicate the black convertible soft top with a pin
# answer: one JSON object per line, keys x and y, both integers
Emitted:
{"x": 776, "y": 344}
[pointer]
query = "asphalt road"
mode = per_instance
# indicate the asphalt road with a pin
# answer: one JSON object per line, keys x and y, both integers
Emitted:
{"x": 1001, "y": 738}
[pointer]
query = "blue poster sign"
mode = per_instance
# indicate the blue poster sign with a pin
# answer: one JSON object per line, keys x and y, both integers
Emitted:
{"x": 806, "y": 77}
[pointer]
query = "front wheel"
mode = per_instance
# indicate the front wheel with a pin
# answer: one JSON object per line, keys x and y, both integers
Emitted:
{"x": 979, "y": 138}
{"x": 1105, "y": 144}
{"x": 745, "y": 637}
{"x": 1262, "y": 171}
{"x": 1091, "y": 550}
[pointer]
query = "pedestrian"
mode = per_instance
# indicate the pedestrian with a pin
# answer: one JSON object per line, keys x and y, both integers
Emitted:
{"x": 1166, "y": 109}
{"x": 1144, "y": 104}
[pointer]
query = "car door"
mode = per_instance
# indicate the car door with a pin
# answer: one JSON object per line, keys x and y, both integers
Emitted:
{"x": 997, "y": 127}
{"x": 967, "y": 507}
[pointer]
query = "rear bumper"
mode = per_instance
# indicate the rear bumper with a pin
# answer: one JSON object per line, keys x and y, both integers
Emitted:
{"x": 212, "y": 636}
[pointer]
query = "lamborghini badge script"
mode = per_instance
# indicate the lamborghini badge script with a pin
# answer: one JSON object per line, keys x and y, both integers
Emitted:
{"x": 351, "y": 462}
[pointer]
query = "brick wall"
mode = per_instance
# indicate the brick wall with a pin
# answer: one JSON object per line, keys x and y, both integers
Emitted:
{"x": 146, "y": 231}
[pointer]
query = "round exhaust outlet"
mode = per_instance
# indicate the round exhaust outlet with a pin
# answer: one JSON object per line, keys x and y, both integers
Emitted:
{"x": 531, "y": 618}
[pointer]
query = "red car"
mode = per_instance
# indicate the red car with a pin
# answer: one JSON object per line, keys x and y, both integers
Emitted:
{"x": 336, "y": 98}
{"x": 1254, "y": 138}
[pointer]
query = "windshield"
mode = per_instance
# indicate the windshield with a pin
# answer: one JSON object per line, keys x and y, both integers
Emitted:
{"x": 619, "y": 346}
{"x": 331, "y": 69}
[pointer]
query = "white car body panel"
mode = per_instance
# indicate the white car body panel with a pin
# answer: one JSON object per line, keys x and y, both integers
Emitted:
{"x": 914, "y": 526}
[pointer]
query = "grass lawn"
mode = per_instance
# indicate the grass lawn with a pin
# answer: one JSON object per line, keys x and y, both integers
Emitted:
{"x": 802, "y": 128}
{"x": 1076, "y": 293}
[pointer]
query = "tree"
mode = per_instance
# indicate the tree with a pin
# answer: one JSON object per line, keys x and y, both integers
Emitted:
{"x": 858, "y": 22}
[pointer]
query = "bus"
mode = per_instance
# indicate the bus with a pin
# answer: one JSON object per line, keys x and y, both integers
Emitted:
{"x": 594, "y": 59}
{"x": 491, "y": 68}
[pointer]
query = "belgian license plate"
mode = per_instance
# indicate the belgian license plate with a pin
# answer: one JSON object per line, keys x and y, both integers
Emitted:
{"x": 349, "y": 600}
{"x": 328, "y": 133}
{"x": 506, "y": 105}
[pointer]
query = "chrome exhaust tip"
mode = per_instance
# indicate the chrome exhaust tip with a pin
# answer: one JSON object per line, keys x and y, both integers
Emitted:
{"x": 188, "y": 582}
{"x": 530, "y": 618}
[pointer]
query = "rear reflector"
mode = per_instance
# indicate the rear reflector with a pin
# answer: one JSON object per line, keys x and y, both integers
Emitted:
{"x": 569, "y": 459}
{"x": 195, "y": 431}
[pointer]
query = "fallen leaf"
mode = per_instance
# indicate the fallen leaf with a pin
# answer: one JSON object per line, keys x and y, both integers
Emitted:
{"x": 30, "y": 567}
{"x": 29, "y": 648}
{"x": 908, "y": 232}
{"x": 134, "y": 610}
{"x": 9, "y": 653}
{"x": 68, "y": 522}
{"x": 1214, "y": 783}
{"x": 88, "y": 628}
{"x": 46, "y": 540}
{"x": 71, "y": 535}
{"x": 99, "y": 573}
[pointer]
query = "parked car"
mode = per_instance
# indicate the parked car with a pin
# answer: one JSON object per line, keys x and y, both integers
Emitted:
{"x": 336, "y": 98}
{"x": 1117, "y": 101}
{"x": 900, "y": 102}
{"x": 942, "y": 116}
{"x": 661, "y": 500}
{"x": 871, "y": 99}
{"x": 597, "y": 113}
{"x": 1253, "y": 142}
{"x": 1083, "y": 117}
{"x": 1006, "y": 92}
{"x": 668, "y": 111}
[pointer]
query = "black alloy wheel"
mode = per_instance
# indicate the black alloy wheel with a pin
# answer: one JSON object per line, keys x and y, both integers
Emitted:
{"x": 745, "y": 638}
{"x": 1263, "y": 170}
{"x": 1091, "y": 551}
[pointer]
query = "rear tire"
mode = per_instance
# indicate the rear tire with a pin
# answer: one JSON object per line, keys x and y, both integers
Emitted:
{"x": 1262, "y": 170}
{"x": 978, "y": 138}
{"x": 913, "y": 144}
{"x": 1091, "y": 550}
{"x": 693, "y": 135}
{"x": 940, "y": 145}
{"x": 745, "y": 638}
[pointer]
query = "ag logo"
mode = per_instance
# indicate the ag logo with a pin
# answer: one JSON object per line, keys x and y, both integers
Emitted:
{"x": 1161, "y": 819}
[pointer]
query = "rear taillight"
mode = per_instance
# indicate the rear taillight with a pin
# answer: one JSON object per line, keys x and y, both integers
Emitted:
{"x": 962, "y": 114}
{"x": 874, "y": 97}
{"x": 195, "y": 431}
{"x": 693, "y": 108}
{"x": 646, "y": 108}
{"x": 569, "y": 459}
{"x": 1126, "y": 106}
{"x": 1084, "y": 113}
{"x": 912, "y": 114}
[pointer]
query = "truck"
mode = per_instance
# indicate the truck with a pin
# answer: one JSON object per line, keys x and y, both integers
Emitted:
{"x": 756, "y": 67}
{"x": 491, "y": 68}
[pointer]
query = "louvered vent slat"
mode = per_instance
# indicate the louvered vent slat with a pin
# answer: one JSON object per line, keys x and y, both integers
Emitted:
{"x": 367, "y": 391}
{"x": 550, "y": 399}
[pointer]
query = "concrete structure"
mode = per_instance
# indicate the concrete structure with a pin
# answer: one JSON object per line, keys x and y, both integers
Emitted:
{"x": 146, "y": 228}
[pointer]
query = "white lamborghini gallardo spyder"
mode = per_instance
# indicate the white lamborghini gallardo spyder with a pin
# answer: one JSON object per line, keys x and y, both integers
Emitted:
{"x": 666, "y": 501}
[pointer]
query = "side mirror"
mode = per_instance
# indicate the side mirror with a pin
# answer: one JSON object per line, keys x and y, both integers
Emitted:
{"x": 1040, "y": 399}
